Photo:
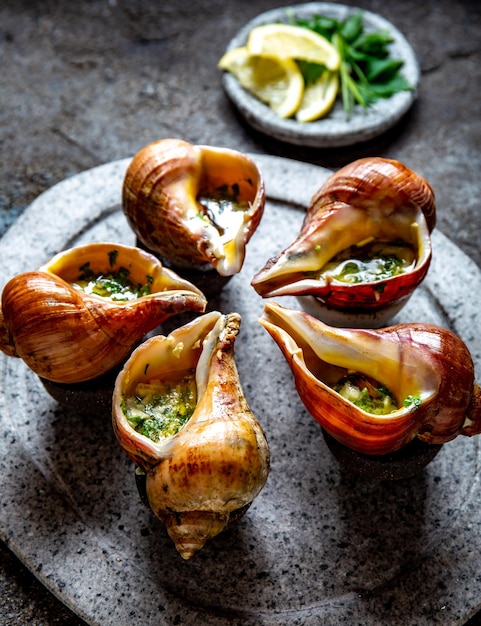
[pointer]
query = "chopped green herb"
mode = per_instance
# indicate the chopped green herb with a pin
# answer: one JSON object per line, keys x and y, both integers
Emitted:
{"x": 366, "y": 393}
{"x": 116, "y": 285}
{"x": 372, "y": 262}
{"x": 113, "y": 257}
{"x": 86, "y": 271}
{"x": 366, "y": 73}
{"x": 160, "y": 409}
{"x": 413, "y": 401}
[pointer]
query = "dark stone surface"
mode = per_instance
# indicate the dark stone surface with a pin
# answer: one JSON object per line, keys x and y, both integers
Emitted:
{"x": 87, "y": 83}
{"x": 91, "y": 397}
{"x": 399, "y": 465}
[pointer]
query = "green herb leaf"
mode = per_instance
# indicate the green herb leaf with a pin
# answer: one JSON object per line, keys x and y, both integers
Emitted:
{"x": 311, "y": 72}
{"x": 366, "y": 72}
{"x": 325, "y": 26}
{"x": 413, "y": 401}
{"x": 386, "y": 90}
{"x": 382, "y": 70}
{"x": 351, "y": 29}
{"x": 374, "y": 44}
{"x": 113, "y": 257}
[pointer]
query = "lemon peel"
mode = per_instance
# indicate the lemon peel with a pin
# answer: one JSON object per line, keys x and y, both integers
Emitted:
{"x": 319, "y": 98}
{"x": 276, "y": 81}
{"x": 295, "y": 42}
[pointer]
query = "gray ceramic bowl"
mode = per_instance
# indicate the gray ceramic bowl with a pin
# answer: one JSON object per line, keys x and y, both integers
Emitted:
{"x": 333, "y": 130}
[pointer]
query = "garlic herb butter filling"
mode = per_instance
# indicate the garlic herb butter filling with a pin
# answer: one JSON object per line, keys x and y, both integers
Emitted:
{"x": 372, "y": 397}
{"x": 367, "y": 394}
{"x": 224, "y": 210}
{"x": 160, "y": 409}
{"x": 114, "y": 285}
{"x": 373, "y": 261}
{"x": 221, "y": 204}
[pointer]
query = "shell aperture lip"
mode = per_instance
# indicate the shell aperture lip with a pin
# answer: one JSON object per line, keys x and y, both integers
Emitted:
{"x": 67, "y": 335}
{"x": 194, "y": 205}
{"x": 201, "y": 477}
{"x": 370, "y": 202}
{"x": 428, "y": 368}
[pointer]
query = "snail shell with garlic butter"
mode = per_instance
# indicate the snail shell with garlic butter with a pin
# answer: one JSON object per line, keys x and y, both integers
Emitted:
{"x": 194, "y": 205}
{"x": 428, "y": 369}
{"x": 67, "y": 335}
{"x": 369, "y": 201}
{"x": 200, "y": 478}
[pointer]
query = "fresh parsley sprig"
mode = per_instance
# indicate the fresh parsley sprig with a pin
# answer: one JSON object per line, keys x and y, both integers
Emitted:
{"x": 366, "y": 73}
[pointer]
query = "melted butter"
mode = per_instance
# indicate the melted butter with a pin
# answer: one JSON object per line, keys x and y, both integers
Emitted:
{"x": 370, "y": 262}
{"x": 223, "y": 208}
{"x": 159, "y": 409}
{"x": 115, "y": 286}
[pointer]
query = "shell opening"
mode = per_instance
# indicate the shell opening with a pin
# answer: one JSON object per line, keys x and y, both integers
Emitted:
{"x": 230, "y": 192}
{"x": 353, "y": 247}
{"x": 348, "y": 362}
{"x": 159, "y": 409}
{"x": 156, "y": 392}
{"x": 116, "y": 272}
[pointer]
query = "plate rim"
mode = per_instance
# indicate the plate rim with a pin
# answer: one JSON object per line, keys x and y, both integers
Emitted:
{"x": 110, "y": 566}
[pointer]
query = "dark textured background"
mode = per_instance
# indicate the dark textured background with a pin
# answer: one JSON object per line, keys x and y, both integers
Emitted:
{"x": 84, "y": 83}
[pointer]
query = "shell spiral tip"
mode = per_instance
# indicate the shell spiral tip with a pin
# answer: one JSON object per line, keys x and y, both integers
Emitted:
{"x": 191, "y": 530}
{"x": 472, "y": 424}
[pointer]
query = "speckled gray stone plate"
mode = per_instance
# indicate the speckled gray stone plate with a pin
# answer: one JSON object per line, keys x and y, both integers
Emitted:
{"x": 333, "y": 130}
{"x": 318, "y": 546}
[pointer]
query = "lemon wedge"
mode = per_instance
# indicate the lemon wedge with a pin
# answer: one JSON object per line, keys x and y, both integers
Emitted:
{"x": 294, "y": 42}
{"x": 275, "y": 81}
{"x": 319, "y": 98}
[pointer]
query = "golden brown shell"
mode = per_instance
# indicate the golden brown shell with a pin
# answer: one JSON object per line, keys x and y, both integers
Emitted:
{"x": 161, "y": 197}
{"x": 375, "y": 184}
{"x": 199, "y": 479}
{"x": 372, "y": 199}
{"x": 68, "y": 336}
{"x": 428, "y": 368}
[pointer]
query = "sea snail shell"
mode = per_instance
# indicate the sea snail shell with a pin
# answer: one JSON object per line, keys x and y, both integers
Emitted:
{"x": 166, "y": 194}
{"x": 369, "y": 200}
{"x": 429, "y": 370}
{"x": 66, "y": 335}
{"x": 200, "y": 478}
